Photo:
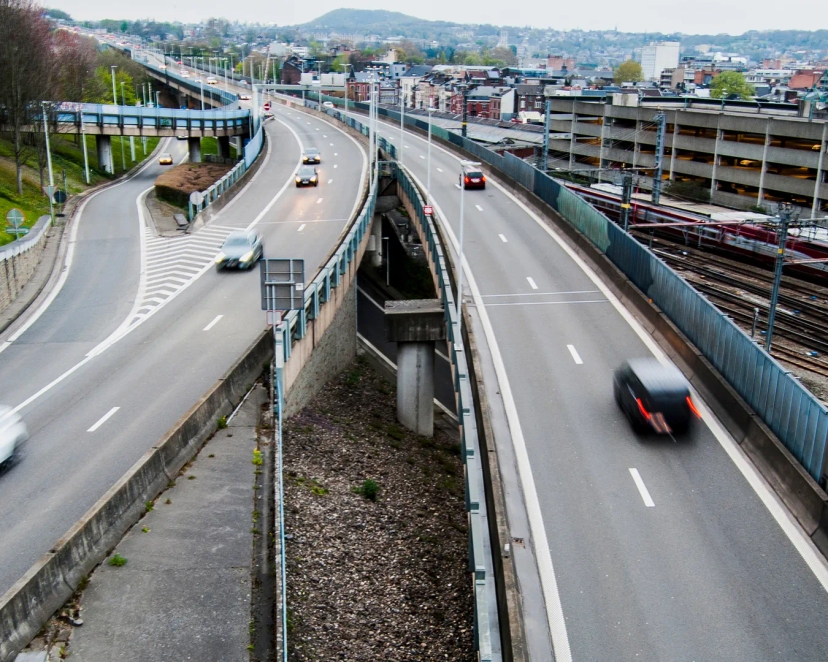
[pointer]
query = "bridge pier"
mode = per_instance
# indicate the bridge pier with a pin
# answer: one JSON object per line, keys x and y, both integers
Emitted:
{"x": 195, "y": 149}
{"x": 415, "y": 326}
{"x": 223, "y": 147}
{"x": 375, "y": 242}
{"x": 103, "y": 145}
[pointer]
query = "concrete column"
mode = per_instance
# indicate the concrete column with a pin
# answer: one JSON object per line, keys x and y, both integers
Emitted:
{"x": 715, "y": 158}
{"x": 415, "y": 326}
{"x": 103, "y": 144}
{"x": 376, "y": 240}
{"x": 195, "y": 149}
{"x": 673, "y": 147}
{"x": 764, "y": 166}
{"x": 815, "y": 207}
{"x": 224, "y": 147}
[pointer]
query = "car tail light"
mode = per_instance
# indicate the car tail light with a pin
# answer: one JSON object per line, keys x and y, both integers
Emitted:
{"x": 467, "y": 180}
{"x": 483, "y": 178}
{"x": 643, "y": 411}
{"x": 693, "y": 407}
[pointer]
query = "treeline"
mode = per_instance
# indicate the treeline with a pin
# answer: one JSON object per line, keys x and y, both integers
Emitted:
{"x": 41, "y": 65}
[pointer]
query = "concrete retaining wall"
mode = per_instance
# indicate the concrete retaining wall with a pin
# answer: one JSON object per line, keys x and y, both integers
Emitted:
{"x": 51, "y": 581}
{"x": 19, "y": 259}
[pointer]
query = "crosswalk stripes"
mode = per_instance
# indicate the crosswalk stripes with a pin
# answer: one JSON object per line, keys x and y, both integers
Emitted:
{"x": 173, "y": 262}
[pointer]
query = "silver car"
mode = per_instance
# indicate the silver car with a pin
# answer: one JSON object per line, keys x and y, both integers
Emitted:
{"x": 241, "y": 249}
{"x": 12, "y": 433}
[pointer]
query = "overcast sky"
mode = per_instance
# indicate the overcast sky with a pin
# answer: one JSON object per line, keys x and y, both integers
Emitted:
{"x": 698, "y": 17}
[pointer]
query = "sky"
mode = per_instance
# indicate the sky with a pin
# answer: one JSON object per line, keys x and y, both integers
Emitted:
{"x": 697, "y": 17}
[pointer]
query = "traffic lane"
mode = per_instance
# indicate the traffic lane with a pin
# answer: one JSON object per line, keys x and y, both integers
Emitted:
{"x": 371, "y": 326}
{"x": 705, "y": 571}
{"x": 98, "y": 293}
{"x": 158, "y": 370}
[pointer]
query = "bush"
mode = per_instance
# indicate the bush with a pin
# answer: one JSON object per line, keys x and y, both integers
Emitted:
{"x": 175, "y": 184}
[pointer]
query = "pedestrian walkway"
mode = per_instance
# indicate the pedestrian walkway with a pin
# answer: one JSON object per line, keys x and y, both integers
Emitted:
{"x": 173, "y": 262}
{"x": 183, "y": 591}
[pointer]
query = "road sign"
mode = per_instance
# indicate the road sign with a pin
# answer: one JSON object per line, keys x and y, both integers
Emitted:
{"x": 15, "y": 217}
{"x": 428, "y": 210}
{"x": 282, "y": 283}
{"x": 17, "y": 230}
{"x": 196, "y": 198}
{"x": 266, "y": 105}
{"x": 59, "y": 197}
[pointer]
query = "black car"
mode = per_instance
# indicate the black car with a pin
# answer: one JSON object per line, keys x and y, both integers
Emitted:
{"x": 241, "y": 249}
{"x": 311, "y": 155}
{"x": 654, "y": 396}
{"x": 307, "y": 176}
{"x": 472, "y": 176}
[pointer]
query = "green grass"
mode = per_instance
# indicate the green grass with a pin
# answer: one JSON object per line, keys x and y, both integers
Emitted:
{"x": 67, "y": 160}
{"x": 210, "y": 146}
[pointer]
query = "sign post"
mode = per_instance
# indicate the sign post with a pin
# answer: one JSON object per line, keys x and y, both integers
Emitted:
{"x": 15, "y": 218}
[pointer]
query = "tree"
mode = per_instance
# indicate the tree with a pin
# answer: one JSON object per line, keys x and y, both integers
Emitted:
{"x": 628, "y": 72}
{"x": 730, "y": 85}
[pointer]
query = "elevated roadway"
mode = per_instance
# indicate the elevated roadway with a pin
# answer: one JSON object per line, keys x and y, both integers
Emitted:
{"x": 142, "y": 326}
{"x": 644, "y": 548}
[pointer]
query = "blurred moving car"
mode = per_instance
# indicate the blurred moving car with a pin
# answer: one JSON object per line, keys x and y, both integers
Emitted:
{"x": 307, "y": 176}
{"x": 471, "y": 176}
{"x": 12, "y": 433}
{"x": 241, "y": 249}
{"x": 165, "y": 159}
{"x": 328, "y": 104}
{"x": 244, "y": 97}
{"x": 311, "y": 155}
{"x": 654, "y": 396}
{"x": 211, "y": 80}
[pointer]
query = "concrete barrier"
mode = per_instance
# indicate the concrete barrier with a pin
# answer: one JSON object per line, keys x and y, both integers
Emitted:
{"x": 54, "y": 578}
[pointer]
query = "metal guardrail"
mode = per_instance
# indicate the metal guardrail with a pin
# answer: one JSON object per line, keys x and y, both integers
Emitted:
{"x": 225, "y": 97}
{"x": 295, "y": 324}
{"x": 108, "y": 115}
{"x": 792, "y": 412}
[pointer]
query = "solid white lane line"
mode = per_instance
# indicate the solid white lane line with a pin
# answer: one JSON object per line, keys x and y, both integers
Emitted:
{"x": 318, "y": 201}
{"x": 642, "y": 488}
{"x": 213, "y": 323}
{"x": 103, "y": 419}
{"x": 503, "y": 239}
{"x": 531, "y": 283}
{"x": 442, "y": 356}
{"x": 479, "y": 208}
{"x": 575, "y": 356}
{"x": 301, "y": 227}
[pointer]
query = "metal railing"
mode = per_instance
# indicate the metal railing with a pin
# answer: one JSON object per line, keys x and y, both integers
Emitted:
{"x": 108, "y": 115}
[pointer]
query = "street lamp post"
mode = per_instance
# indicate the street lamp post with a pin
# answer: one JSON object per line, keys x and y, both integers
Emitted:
{"x": 428, "y": 176}
{"x": 114, "y": 93}
{"x": 202, "y": 93}
{"x": 43, "y": 105}
{"x": 123, "y": 157}
{"x": 460, "y": 260}
{"x": 402, "y": 123}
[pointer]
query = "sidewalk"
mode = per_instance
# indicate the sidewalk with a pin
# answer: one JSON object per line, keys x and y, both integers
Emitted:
{"x": 185, "y": 590}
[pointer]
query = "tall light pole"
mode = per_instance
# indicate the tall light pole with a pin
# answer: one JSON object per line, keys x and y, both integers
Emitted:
{"x": 114, "y": 93}
{"x": 202, "y": 93}
{"x": 402, "y": 123}
{"x": 785, "y": 212}
{"x": 85, "y": 155}
{"x": 428, "y": 176}
{"x": 460, "y": 260}
{"x": 43, "y": 105}
{"x": 123, "y": 103}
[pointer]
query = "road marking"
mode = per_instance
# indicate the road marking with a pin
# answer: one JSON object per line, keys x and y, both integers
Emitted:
{"x": 330, "y": 181}
{"x": 324, "y": 136}
{"x": 103, "y": 419}
{"x": 531, "y": 283}
{"x": 479, "y": 208}
{"x": 546, "y": 303}
{"x": 439, "y": 170}
{"x": 317, "y": 128}
{"x": 537, "y": 294}
{"x": 421, "y": 156}
{"x": 503, "y": 239}
{"x": 457, "y": 186}
{"x": 318, "y": 201}
{"x": 371, "y": 299}
{"x": 302, "y": 227}
{"x": 336, "y": 153}
{"x": 213, "y": 323}
{"x": 335, "y": 166}
{"x": 332, "y": 144}
{"x": 575, "y": 356}
{"x": 642, "y": 488}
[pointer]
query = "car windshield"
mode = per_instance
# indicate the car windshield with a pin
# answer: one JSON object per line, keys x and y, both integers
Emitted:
{"x": 476, "y": 174}
{"x": 311, "y": 151}
{"x": 306, "y": 172}
{"x": 236, "y": 241}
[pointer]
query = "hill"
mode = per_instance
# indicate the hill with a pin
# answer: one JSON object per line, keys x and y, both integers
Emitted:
{"x": 375, "y": 21}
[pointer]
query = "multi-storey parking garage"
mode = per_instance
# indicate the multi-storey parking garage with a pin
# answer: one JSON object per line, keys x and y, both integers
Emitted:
{"x": 735, "y": 157}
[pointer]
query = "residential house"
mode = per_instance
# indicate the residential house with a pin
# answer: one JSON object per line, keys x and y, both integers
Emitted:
{"x": 409, "y": 80}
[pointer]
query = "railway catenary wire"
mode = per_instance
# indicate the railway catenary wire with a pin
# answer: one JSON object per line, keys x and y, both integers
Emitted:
{"x": 737, "y": 289}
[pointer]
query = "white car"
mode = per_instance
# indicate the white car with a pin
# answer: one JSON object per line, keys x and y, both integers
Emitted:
{"x": 12, "y": 433}
{"x": 244, "y": 97}
{"x": 211, "y": 81}
{"x": 327, "y": 104}
{"x": 185, "y": 74}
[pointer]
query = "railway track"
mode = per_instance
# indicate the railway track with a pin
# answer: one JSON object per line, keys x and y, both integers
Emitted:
{"x": 737, "y": 289}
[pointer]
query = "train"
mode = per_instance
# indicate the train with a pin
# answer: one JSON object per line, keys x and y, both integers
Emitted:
{"x": 741, "y": 240}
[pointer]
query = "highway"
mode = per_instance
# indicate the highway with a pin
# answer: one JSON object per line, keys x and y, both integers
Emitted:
{"x": 648, "y": 548}
{"x": 95, "y": 402}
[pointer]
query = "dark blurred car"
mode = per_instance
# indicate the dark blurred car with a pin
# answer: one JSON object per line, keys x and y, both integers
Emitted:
{"x": 241, "y": 249}
{"x": 472, "y": 176}
{"x": 307, "y": 176}
{"x": 654, "y": 396}
{"x": 311, "y": 155}
{"x": 12, "y": 433}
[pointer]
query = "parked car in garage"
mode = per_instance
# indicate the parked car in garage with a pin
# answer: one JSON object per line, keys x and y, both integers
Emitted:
{"x": 307, "y": 176}
{"x": 240, "y": 250}
{"x": 654, "y": 396}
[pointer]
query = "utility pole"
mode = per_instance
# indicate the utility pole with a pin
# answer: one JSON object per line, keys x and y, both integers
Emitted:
{"x": 465, "y": 110}
{"x": 661, "y": 119}
{"x": 545, "y": 158}
{"x": 626, "y": 196}
{"x": 785, "y": 213}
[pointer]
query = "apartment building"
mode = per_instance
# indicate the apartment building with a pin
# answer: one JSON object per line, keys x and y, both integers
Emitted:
{"x": 734, "y": 156}
{"x": 657, "y": 57}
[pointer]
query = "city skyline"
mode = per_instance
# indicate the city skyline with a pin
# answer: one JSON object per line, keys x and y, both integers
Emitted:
{"x": 637, "y": 16}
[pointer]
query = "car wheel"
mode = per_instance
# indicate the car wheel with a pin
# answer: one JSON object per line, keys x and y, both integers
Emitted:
{"x": 219, "y": 268}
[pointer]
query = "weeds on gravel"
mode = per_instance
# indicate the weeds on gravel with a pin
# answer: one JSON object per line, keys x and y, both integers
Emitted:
{"x": 221, "y": 423}
{"x": 395, "y": 432}
{"x": 257, "y": 457}
{"x": 149, "y": 506}
{"x": 369, "y": 489}
{"x": 117, "y": 561}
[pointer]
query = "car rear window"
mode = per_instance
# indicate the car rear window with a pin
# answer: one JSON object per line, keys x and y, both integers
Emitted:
{"x": 476, "y": 174}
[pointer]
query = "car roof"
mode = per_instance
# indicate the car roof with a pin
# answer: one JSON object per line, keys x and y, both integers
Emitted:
{"x": 655, "y": 376}
{"x": 237, "y": 234}
{"x": 311, "y": 150}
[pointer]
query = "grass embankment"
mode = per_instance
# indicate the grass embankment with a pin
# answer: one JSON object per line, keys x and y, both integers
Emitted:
{"x": 210, "y": 146}
{"x": 67, "y": 157}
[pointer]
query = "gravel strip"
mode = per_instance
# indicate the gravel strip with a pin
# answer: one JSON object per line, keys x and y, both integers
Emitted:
{"x": 383, "y": 579}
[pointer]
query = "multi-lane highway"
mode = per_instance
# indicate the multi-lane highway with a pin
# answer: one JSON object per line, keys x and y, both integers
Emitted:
{"x": 647, "y": 548}
{"x": 94, "y": 406}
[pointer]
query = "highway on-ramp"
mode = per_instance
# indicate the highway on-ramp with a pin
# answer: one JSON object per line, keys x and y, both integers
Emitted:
{"x": 94, "y": 407}
{"x": 647, "y": 549}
